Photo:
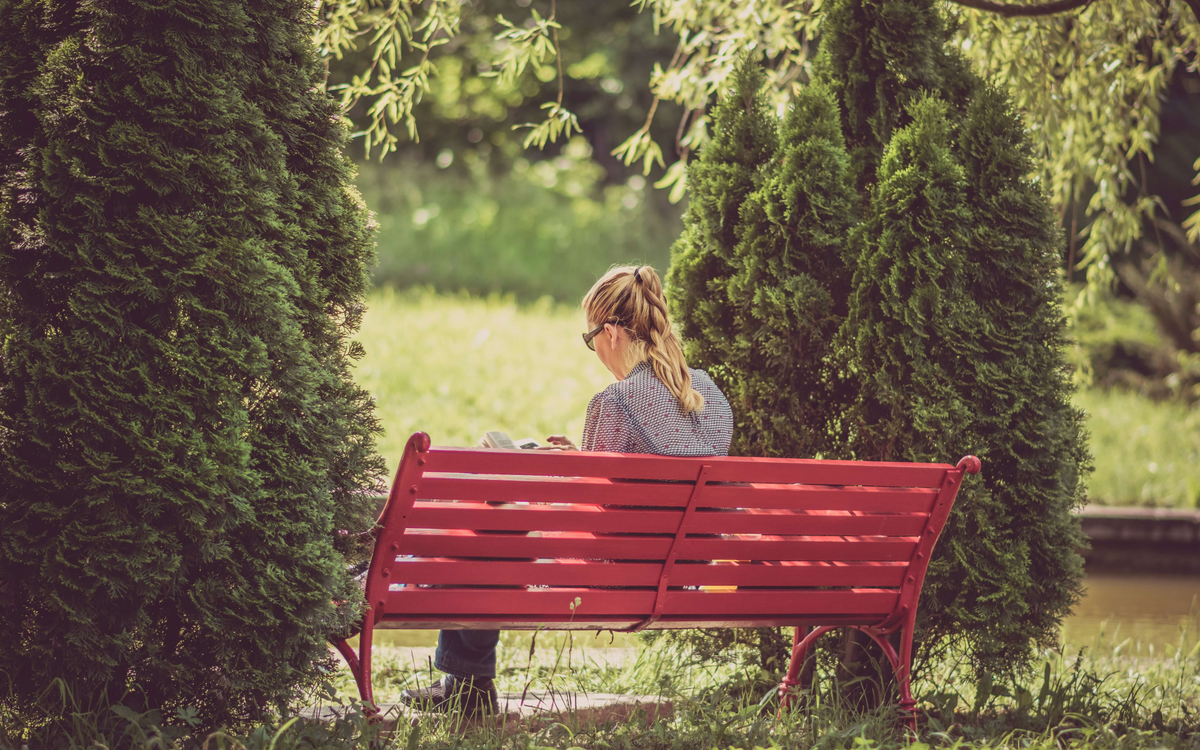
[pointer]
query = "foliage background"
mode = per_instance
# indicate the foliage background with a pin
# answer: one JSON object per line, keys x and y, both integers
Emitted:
{"x": 1118, "y": 165}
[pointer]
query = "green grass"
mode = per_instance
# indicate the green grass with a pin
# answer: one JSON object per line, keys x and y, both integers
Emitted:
{"x": 1146, "y": 452}
{"x": 1108, "y": 695}
{"x": 457, "y": 366}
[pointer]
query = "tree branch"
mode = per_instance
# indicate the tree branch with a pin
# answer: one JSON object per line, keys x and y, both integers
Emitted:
{"x": 1195, "y": 6}
{"x": 1041, "y": 9}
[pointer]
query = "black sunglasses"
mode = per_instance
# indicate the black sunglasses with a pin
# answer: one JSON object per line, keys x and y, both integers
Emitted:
{"x": 587, "y": 337}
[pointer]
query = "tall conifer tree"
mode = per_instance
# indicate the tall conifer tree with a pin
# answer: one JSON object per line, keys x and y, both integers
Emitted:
{"x": 952, "y": 336}
{"x": 949, "y": 363}
{"x": 789, "y": 285}
{"x": 182, "y": 262}
{"x": 724, "y": 175}
{"x": 764, "y": 325}
{"x": 1024, "y": 580}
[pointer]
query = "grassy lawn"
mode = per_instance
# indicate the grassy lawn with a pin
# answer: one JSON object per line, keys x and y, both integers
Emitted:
{"x": 1112, "y": 692}
{"x": 547, "y": 228}
{"x": 1146, "y": 453}
{"x": 457, "y": 366}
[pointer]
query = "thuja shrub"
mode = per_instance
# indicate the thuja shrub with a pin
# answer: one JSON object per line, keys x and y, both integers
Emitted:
{"x": 760, "y": 283}
{"x": 902, "y": 262}
{"x": 789, "y": 287}
{"x": 182, "y": 264}
{"x": 1009, "y": 569}
{"x": 743, "y": 140}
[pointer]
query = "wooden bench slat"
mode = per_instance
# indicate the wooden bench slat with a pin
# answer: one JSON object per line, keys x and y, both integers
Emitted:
{"x": 661, "y": 468}
{"x": 599, "y": 490}
{"x": 539, "y": 602}
{"x": 635, "y": 547}
{"x": 426, "y": 515}
{"x": 817, "y": 497}
{"x": 585, "y": 573}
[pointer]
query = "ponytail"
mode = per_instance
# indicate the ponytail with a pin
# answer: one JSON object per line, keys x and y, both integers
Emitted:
{"x": 633, "y": 295}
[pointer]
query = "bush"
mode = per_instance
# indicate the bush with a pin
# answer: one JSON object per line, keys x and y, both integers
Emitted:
{"x": 951, "y": 340}
{"x": 182, "y": 262}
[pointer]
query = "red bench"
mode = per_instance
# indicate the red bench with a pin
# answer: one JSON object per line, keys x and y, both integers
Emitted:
{"x": 644, "y": 541}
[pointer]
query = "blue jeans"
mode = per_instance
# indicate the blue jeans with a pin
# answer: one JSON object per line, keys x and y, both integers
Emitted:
{"x": 467, "y": 653}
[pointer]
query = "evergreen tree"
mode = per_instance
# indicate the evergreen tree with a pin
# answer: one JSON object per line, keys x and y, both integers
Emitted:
{"x": 950, "y": 333}
{"x": 789, "y": 286}
{"x": 1031, "y": 439}
{"x": 910, "y": 308}
{"x": 720, "y": 180}
{"x": 182, "y": 262}
{"x": 881, "y": 56}
{"x": 766, "y": 325}
{"x": 957, "y": 342}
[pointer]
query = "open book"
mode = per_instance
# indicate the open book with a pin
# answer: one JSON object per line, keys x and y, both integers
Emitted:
{"x": 498, "y": 439}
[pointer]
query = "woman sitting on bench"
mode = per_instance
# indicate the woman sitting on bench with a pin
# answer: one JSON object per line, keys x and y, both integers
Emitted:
{"x": 658, "y": 405}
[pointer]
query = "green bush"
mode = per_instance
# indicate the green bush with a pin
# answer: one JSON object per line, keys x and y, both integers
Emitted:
{"x": 702, "y": 260}
{"x": 958, "y": 341}
{"x": 549, "y": 228}
{"x": 952, "y": 341}
{"x": 182, "y": 261}
{"x": 789, "y": 287}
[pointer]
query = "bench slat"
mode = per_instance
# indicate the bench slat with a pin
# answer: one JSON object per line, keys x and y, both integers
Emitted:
{"x": 634, "y": 547}
{"x": 585, "y": 573}
{"x": 802, "y": 497}
{"x": 426, "y": 515}
{"x": 540, "y": 602}
{"x": 640, "y": 466}
{"x": 599, "y": 490}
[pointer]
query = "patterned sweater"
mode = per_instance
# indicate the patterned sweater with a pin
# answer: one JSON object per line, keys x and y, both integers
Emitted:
{"x": 639, "y": 415}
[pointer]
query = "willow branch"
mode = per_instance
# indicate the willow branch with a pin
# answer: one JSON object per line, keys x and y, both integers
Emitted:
{"x": 1042, "y": 9}
{"x": 1195, "y": 6}
{"x": 557, "y": 51}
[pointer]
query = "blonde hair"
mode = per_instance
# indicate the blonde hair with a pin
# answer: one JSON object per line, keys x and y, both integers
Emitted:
{"x": 632, "y": 298}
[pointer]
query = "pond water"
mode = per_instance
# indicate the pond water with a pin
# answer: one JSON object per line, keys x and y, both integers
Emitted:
{"x": 1146, "y": 609}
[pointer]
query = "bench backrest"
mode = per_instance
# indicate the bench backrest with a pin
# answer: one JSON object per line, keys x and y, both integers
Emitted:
{"x": 515, "y": 539}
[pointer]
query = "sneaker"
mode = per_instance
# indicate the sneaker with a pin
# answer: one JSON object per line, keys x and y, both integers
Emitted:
{"x": 471, "y": 696}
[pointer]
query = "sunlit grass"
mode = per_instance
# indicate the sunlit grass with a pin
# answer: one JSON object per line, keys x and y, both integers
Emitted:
{"x": 457, "y": 366}
{"x": 1112, "y": 691}
{"x": 549, "y": 227}
{"x": 1146, "y": 453}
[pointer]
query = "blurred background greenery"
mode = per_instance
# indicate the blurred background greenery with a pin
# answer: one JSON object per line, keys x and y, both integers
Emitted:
{"x": 497, "y": 241}
{"x": 547, "y": 227}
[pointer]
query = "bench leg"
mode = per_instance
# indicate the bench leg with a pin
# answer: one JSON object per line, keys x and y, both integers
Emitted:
{"x": 365, "y": 639}
{"x": 360, "y": 668}
{"x": 901, "y": 667}
{"x": 908, "y": 706}
{"x": 801, "y": 643}
{"x": 347, "y": 651}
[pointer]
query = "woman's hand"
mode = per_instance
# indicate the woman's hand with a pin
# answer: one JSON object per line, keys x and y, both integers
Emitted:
{"x": 558, "y": 443}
